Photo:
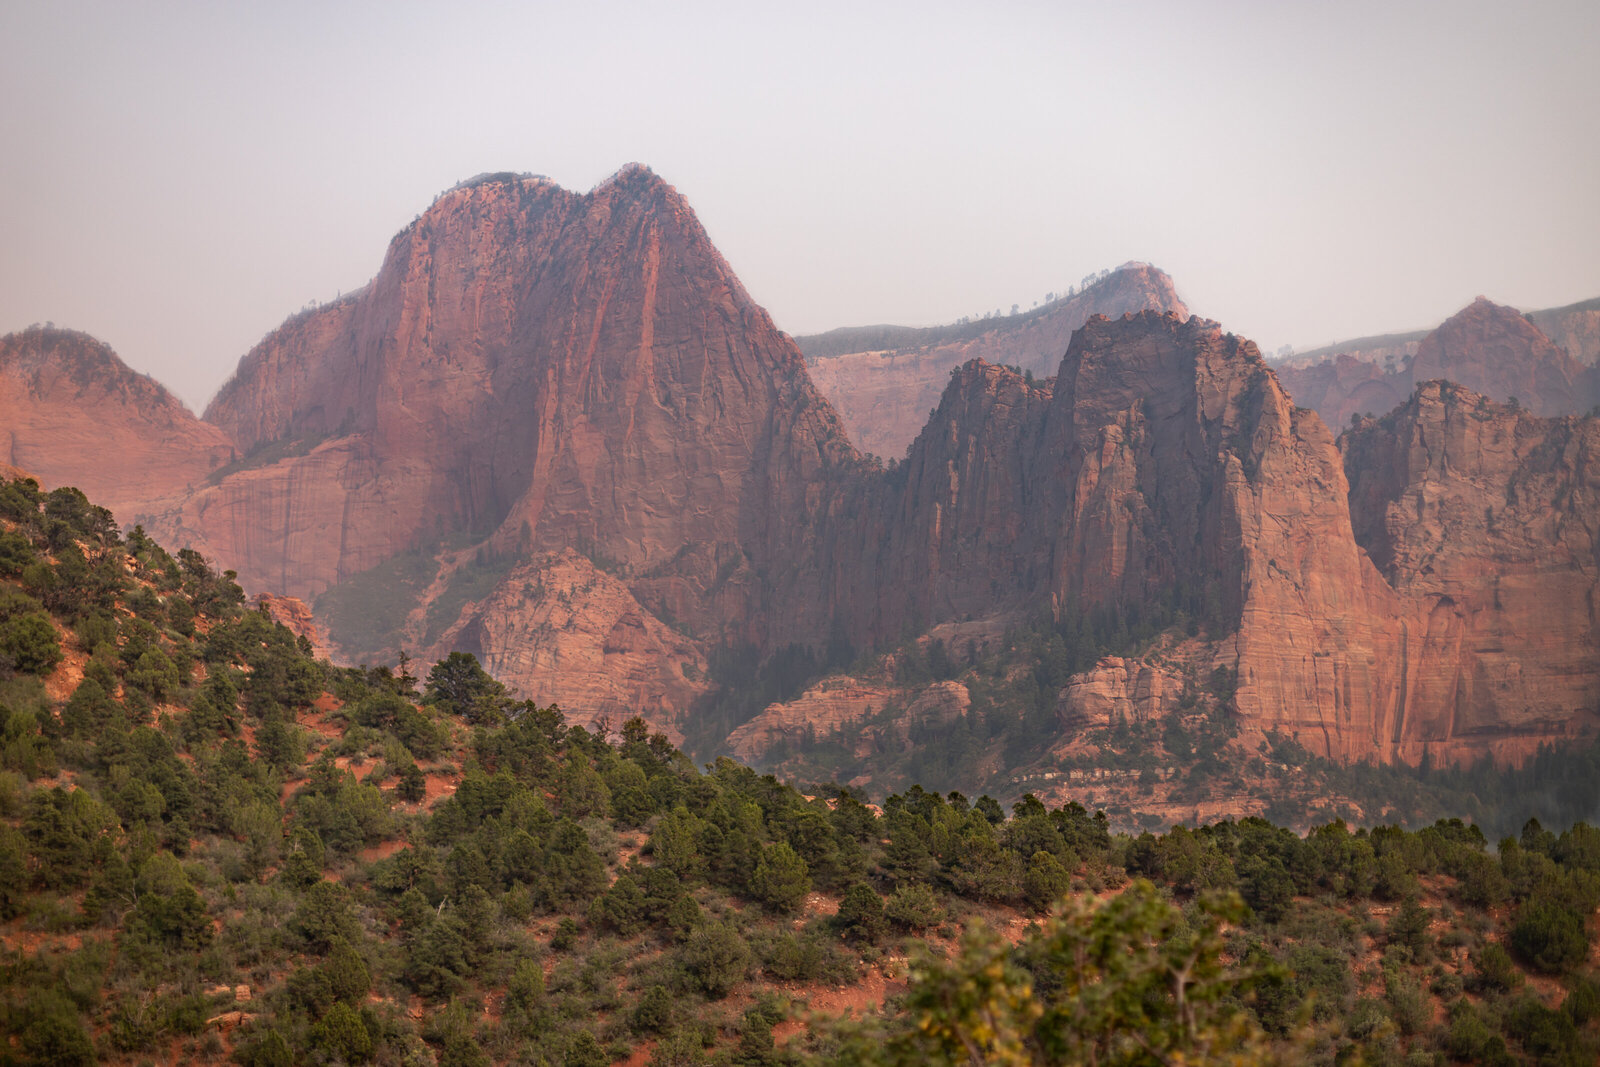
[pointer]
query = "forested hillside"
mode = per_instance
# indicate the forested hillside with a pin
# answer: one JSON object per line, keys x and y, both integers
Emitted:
{"x": 214, "y": 847}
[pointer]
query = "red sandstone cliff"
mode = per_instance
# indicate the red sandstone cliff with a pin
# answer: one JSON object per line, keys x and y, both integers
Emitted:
{"x": 72, "y": 413}
{"x": 536, "y": 367}
{"x": 1178, "y": 468}
{"x": 1165, "y": 462}
{"x": 1487, "y": 521}
{"x": 532, "y": 371}
{"x": 577, "y": 385}
{"x": 884, "y": 380}
{"x": 296, "y": 616}
{"x": 1113, "y": 483}
{"x": 561, "y": 631}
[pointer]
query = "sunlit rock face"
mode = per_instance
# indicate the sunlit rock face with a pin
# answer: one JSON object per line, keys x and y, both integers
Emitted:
{"x": 540, "y": 367}
{"x": 1486, "y": 520}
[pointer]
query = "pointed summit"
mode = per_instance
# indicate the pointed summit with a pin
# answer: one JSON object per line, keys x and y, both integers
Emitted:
{"x": 637, "y": 185}
{"x": 531, "y": 369}
{"x": 632, "y": 175}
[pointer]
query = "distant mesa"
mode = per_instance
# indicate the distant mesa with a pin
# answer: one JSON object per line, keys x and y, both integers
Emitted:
{"x": 883, "y": 380}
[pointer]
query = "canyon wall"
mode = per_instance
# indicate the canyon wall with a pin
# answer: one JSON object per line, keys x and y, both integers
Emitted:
{"x": 555, "y": 431}
{"x": 1165, "y": 463}
{"x": 1486, "y": 520}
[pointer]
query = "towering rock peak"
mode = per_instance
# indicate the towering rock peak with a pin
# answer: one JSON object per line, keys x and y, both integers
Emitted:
{"x": 469, "y": 288}
{"x": 634, "y": 189}
{"x": 556, "y": 431}
{"x": 1138, "y": 286}
{"x": 531, "y": 370}
{"x": 75, "y": 414}
{"x": 1148, "y": 358}
{"x": 1173, "y": 377}
{"x": 1162, "y": 470}
{"x": 1481, "y": 321}
{"x": 1176, "y": 431}
{"x": 322, "y": 371}
{"x": 1100, "y": 486}
{"x": 1201, "y": 485}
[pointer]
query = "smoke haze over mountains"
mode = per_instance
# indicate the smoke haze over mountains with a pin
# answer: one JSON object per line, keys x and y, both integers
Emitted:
{"x": 176, "y": 180}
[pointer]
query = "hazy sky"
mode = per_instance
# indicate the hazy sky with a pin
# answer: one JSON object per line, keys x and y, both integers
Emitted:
{"x": 178, "y": 178}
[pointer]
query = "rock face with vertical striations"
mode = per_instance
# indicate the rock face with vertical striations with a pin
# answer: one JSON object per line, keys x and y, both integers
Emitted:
{"x": 883, "y": 380}
{"x": 1117, "y": 690}
{"x": 555, "y": 431}
{"x": 532, "y": 369}
{"x": 1127, "y": 477}
{"x": 1487, "y": 521}
{"x": 71, "y": 412}
{"x": 1166, "y": 464}
{"x": 952, "y": 532}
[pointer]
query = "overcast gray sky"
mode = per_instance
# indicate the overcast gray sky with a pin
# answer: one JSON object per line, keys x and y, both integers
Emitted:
{"x": 177, "y": 178}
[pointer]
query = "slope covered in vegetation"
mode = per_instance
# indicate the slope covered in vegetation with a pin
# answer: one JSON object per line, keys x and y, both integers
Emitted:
{"x": 214, "y": 847}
